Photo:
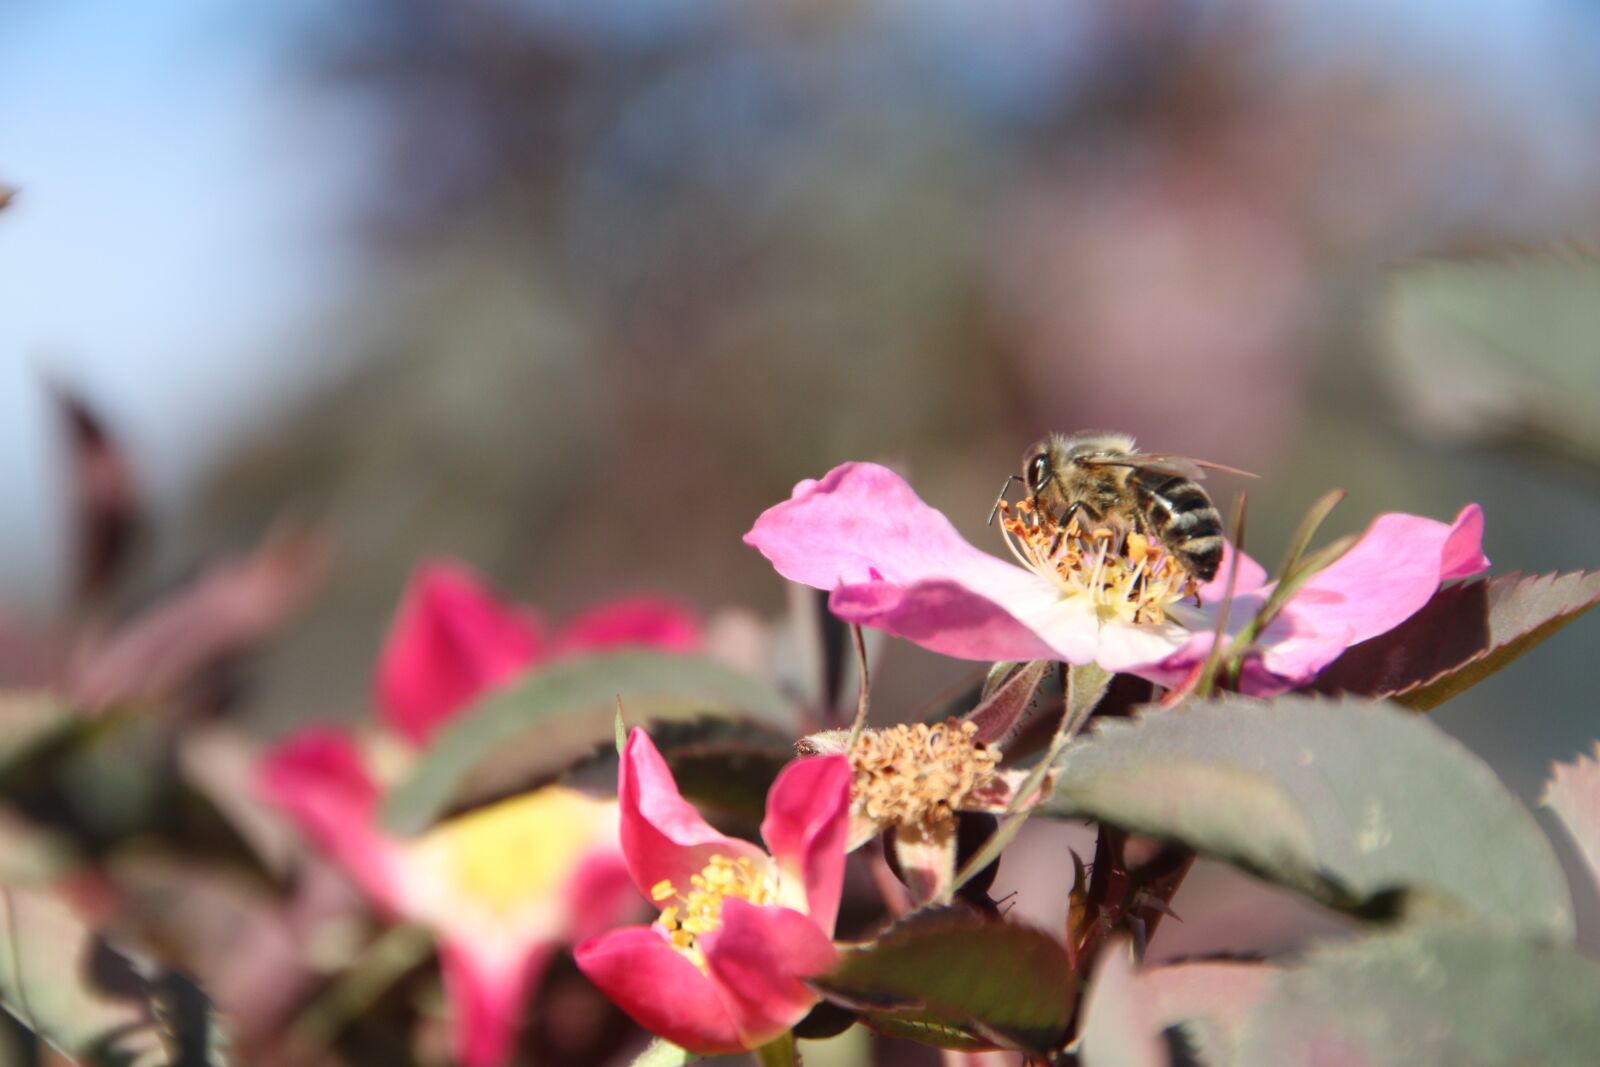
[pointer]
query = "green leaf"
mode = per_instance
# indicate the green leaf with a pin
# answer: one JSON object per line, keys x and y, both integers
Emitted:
{"x": 1505, "y": 346}
{"x": 952, "y": 978}
{"x": 1573, "y": 793}
{"x": 1356, "y": 804}
{"x": 92, "y": 1001}
{"x": 1429, "y": 997}
{"x": 560, "y": 713}
{"x": 1464, "y": 634}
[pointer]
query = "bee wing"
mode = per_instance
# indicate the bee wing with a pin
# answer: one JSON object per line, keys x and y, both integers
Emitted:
{"x": 1181, "y": 466}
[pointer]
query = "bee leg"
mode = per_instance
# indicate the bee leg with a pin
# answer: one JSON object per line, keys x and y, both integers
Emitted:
{"x": 1066, "y": 516}
{"x": 1005, "y": 488}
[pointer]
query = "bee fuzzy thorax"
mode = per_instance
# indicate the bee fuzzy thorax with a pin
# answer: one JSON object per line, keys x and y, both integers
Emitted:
{"x": 1123, "y": 573}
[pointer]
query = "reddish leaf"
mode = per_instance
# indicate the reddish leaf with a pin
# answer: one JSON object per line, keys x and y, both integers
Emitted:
{"x": 952, "y": 978}
{"x": 1001, "y": 713}
{"x": 7, "y": 195}
{"x": 1464, "y": 634}
{"x": 24, "y": 656}
{"x": 106, "y": 502}
{"x": 227, "y": 611}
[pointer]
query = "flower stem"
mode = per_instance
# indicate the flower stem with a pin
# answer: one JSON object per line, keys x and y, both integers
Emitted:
{"x": 394, "y": 953}
{"x": 1082, "y": 689}
{"x": 779, "y": 1053}
{"x": 864, "y": 694}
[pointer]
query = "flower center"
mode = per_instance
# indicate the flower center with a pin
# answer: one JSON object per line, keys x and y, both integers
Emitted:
{"x": 917, "y": 774}
{"x": 699, "y": 911}
{"x": 1123, "y": 573}
{"x": 520, "y": 852}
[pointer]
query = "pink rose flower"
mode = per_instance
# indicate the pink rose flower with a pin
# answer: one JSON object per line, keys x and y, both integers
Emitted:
{"x": 505, "y": 886}
{"x": 894, "y": 563}
{"x": 451, "y": 640}
{"x": 723, "y": 968}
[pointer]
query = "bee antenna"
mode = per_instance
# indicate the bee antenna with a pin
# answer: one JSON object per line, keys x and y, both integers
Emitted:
{"x": 1005, "y": 487}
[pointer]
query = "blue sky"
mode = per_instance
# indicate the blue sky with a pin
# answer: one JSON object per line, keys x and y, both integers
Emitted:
{"x": 179, "y": 243}
{"x": 174, "y": 244}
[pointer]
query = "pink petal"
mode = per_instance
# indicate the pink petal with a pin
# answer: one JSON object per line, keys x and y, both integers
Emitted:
{"x": 485, "y": 990}
{"x": 757, "y": 959}
{"x": 808, "y": 820}
{"x": 1249, "y": 576}
{"x": 894, "y": 563}
{"x": 450, "y": 641}
{"x": 659, "y": 989}
{"x": 317, "y": 777}
{"x": 644, "y": 622}
{"x": 1463, "y": 550}
{"x": 1385, "y": 578}
{"x": 945, "y": 617}
{"x": 863, "y": 523}
{"x": 663, "y": 837}
{"x": 600, "y": 895}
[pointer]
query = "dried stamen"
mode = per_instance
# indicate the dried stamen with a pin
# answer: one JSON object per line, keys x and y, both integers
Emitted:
{"x": 919, "y": 774}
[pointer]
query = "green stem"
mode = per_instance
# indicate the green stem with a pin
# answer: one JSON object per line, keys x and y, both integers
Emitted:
{"x": 864, "y": 696}
{"x": 1083, "y": 687}
{"x": 395, "y": 952}
{"x": 779, "y": 1053}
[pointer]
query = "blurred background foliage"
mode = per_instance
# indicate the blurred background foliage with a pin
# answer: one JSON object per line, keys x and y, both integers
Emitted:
{"x": 573, "y": 290}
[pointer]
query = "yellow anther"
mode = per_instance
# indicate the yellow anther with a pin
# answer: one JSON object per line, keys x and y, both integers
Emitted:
{"x": 663, "y": 890}
{"x": 700, "y": 910}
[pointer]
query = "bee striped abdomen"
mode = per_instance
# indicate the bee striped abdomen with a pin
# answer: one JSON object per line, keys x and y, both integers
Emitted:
{"x": 1184, "y": 519}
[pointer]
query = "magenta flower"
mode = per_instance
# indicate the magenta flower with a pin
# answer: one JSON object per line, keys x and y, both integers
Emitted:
{"x": 502, "y": 887}
{"x": 723, "y": 968}
{"x": 451, "y": 640}
{"x": 894, "y": 563}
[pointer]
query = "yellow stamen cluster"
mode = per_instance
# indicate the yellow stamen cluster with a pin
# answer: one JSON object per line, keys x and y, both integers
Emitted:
{"x": 1124, "y": 574}
{"x": 520, "y": 852}
{"x": 917, "y": 774}
{"x": 699, "y": 911}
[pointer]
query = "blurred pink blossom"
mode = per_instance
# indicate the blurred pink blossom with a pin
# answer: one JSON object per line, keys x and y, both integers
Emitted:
{"x": 452, "y": 639}
{"x": 504, "y": 886}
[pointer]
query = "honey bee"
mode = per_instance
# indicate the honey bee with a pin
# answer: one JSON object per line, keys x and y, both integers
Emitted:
{"x": 1102, "y": 477}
